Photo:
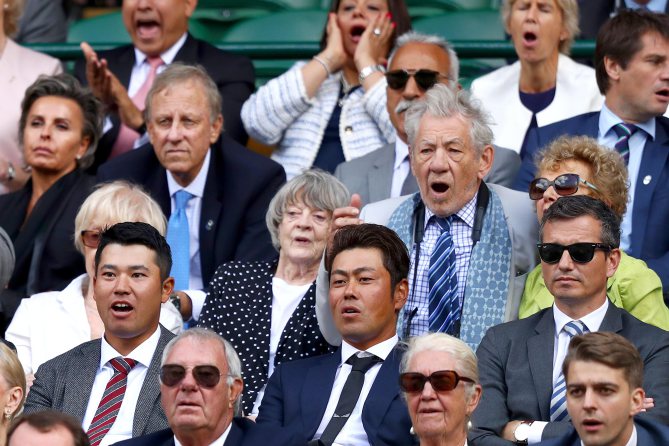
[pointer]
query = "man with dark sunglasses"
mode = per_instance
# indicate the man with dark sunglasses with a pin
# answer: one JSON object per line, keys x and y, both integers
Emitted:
{"x": 111, "y": 384}
{"x": 632, "y": 68}
{"x": 417, "y": 63}
{"x": 200, "y": 389}
{"x": 521, "y": 361}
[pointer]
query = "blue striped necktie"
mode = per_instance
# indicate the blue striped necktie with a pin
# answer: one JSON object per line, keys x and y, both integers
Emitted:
{"x": 624, "y": 132}
{"x": 178, "y": 237}
{"x": 559, "y": 396}
{"x": 444, "y": 304}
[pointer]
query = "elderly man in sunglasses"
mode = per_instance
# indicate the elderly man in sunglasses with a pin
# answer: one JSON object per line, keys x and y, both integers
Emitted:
{"x": 521, "y": 361}
{"x": 200, "y": 389}
{"x": 417, "y": 63}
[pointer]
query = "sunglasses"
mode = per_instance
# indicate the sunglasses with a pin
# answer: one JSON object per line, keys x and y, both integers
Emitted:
{"x": 205, "y": 375}
{"x": 91, "y": 239}
{"x": 579, "y": 252}
{"x": 425, "y": 79}
{"x": 441, "y": 381}
{"x": 566, "y": 184}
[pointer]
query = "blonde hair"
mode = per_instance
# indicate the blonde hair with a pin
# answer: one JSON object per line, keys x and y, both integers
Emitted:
{"x": 116, "y": 202}
{"x": 569, "y": 10}
{"x": 609, "y": 173}
{"x": 12, "y": 372}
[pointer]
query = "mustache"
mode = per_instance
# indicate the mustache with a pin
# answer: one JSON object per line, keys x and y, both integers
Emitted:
{"x": 404, "y": 105}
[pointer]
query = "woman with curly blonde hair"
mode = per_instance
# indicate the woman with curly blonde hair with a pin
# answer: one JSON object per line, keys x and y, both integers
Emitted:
{"x": 580, "y": 166}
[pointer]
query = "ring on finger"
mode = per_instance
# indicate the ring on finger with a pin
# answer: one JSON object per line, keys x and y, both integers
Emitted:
{"x": 377, "y": 31}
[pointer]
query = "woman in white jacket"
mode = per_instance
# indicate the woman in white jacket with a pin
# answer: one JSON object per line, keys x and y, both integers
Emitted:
{"x": 544, "y": 86}
{"x": 332, "y": 108}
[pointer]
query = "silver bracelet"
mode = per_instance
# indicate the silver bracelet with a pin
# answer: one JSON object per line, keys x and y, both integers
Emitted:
{"x": 325, "y": 65}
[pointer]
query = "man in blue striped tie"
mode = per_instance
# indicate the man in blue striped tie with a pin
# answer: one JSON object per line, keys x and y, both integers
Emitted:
{"x": 524, "y": 390}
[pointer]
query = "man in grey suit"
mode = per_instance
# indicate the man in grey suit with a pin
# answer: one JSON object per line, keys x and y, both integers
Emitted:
{"x": 111, "y": 384}
{"x": 524, "y": 391}
{"x": 486, "y": 233}
{"x": 418, "y": 62}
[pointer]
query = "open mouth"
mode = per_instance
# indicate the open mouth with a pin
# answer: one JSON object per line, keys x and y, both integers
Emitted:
{"x": 664, "y": 92}
{"x": 147, "y": 28}
{"x": 350, "y": 310}
{"x": 529, "y": 37}
{"x": 356, "y": 32}
{"x": 122, "y": 307}
{"x": 302, "y": 240}
{"x": 439, "y": 188}
{"x": 592, "y": 424}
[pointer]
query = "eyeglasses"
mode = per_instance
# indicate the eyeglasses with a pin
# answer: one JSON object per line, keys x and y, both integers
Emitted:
{"x": 579, "y": 252}
{"x": 441, "y": 381}
{"x": 565, "y": 184}
{"x": 205, "y": 375}
{"x": 91, "y": 239}
{"x": 397, "y": 79}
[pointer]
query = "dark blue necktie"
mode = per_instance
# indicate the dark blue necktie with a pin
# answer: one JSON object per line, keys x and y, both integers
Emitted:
{"x": 444, "y": 304}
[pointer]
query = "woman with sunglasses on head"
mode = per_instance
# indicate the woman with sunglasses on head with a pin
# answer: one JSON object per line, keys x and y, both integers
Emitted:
{"x": 544, "y": 86}
{"x": 580, "y": 166}
{"x": 52, "y": 323}
{"x": 332, "y": 108}
{"x": 439, "y": 379}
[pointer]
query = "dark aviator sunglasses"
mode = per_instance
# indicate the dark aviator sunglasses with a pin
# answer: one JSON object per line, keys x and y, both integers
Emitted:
{"x": 441, "y": 381}
{"x": 579, "y": 252}
{"x": 205, "y": 375}
{"x": 565, "y": 184}
{"x": 425, "y": 79}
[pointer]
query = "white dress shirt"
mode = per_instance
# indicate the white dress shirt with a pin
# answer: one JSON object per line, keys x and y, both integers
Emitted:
{"x": 652, "y": 5}
{"x": 401, "y": 168}
{"x": 122, "y": 427}
{"x": 561, "y": 344}
{"x": 218, "y": 442}
{"x": 193, "y": 212}
{"x": 353, "y": 433}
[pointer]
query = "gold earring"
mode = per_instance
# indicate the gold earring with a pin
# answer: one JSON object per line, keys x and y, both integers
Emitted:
{"x": 8, "y": 414}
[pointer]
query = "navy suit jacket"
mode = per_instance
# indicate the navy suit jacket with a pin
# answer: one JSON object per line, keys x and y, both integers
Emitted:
{"x": 649, "y": 433}
{"x": 243, "y": 432}
{"x": 649, "y": 238}
{"x": 239, "y": 187}
{"x": 297, "y": 395}
{"x": 233, "y": 74}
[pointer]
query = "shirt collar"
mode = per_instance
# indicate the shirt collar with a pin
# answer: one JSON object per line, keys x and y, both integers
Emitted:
{"x": 218, "y": 442}
{"x": 466, "y": 214}
{"x": 196, "y": 187}
{"x": 608, "y": 119}
{"x": 401, "y": 152}
{"x": 593, "y": 320}
{"x": 382, "y": 349}
{"x": 167, "y": 56}
{"x": 143, "y": 354}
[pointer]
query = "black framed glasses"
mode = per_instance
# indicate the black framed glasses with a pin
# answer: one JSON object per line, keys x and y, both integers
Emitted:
{"x": 205, "y": 375}
{"x": 579, "y": 252}
{"x": 565, "y": 184}
{"x": 425, "y": 79}
{"x": 441, "y": 381}
{"x": 91, "y": 239}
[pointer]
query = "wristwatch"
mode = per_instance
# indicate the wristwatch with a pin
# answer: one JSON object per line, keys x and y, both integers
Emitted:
{"x": 365, "y": 72}
{"x": 522, "y": 432}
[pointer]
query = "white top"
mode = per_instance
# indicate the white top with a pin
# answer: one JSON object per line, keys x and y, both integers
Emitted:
{"x": 353, "y": 433}
{"x": 592, "y": 321}
{"x": 122, "y": 427}
{"x": 218, "y": 442}
{"x": 51, "y": 323}
{"x": 401, "y": 168}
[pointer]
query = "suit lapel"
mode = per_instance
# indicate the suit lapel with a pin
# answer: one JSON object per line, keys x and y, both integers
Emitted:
{"x": 316, "y": 391}
{"x": 383, "y": 392}
{"x": 122, "y": 65}
{"x": 235, "y": 437}
{"x": 612, "y": 319}
{"x": 380, "y": 176}
{"x": 78, "y": 386}
{"x": 540, "y": 350}
{"x": 188, "y": 52}
{"x": 157, "y": 184}
{"x": 212, "y": 207}
{"x": 652, "y": 164}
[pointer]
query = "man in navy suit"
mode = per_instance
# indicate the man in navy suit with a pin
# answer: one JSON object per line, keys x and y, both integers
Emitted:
{"x": 632, "y": 68}
{"x": 368, "y": 267}
{"x": 229, "y": 187}
{"x": 604, "y": 375}
{"x": 200, "y": 390}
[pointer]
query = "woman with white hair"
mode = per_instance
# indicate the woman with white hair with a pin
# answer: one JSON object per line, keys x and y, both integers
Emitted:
{"x": 439, "y": 379}
{"x": 544, "y": 86}
{"x": 54, "y": 322}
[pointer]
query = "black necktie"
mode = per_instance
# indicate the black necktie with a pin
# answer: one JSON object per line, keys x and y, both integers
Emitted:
{"x": 349, "y": 396}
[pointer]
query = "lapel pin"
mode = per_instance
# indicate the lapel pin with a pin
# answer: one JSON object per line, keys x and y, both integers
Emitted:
{"x": 647, "y": 179}
{"x": 210, "y": 225}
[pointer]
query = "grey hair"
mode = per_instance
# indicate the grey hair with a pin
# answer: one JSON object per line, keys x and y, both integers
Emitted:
{"x": 465, "y": 359}
{"x": 429, "y": 39}
{"x": 67, "y": 86}
{"x": 178, "y": 73}
{"x": 444, "y": 102}
{"x": 315, "y": 188}
{"x": 231, "y": 356}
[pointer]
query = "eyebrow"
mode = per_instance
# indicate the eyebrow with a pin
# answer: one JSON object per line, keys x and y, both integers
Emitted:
{"x": 131, "y": 267}
{"x": 362, "y": 269}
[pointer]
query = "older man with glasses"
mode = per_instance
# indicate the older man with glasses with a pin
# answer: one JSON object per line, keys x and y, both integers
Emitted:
{"x": 521, "y": 361}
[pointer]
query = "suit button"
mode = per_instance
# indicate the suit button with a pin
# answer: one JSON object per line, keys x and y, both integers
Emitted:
{"x": 348, "y": 130}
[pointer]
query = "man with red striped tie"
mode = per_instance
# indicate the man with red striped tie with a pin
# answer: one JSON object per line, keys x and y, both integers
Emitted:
{"x": 111, "y": 384}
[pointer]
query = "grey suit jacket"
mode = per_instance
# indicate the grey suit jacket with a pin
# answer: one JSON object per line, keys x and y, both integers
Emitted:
{"x": 516, "y": 367}
{"x": 371, "y": 175}
{"x": 65, "y": 382}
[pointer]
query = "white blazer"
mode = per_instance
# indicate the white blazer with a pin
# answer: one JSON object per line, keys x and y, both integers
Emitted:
{"x": 51, "y": 323}
{"x": 576, "y": 92}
